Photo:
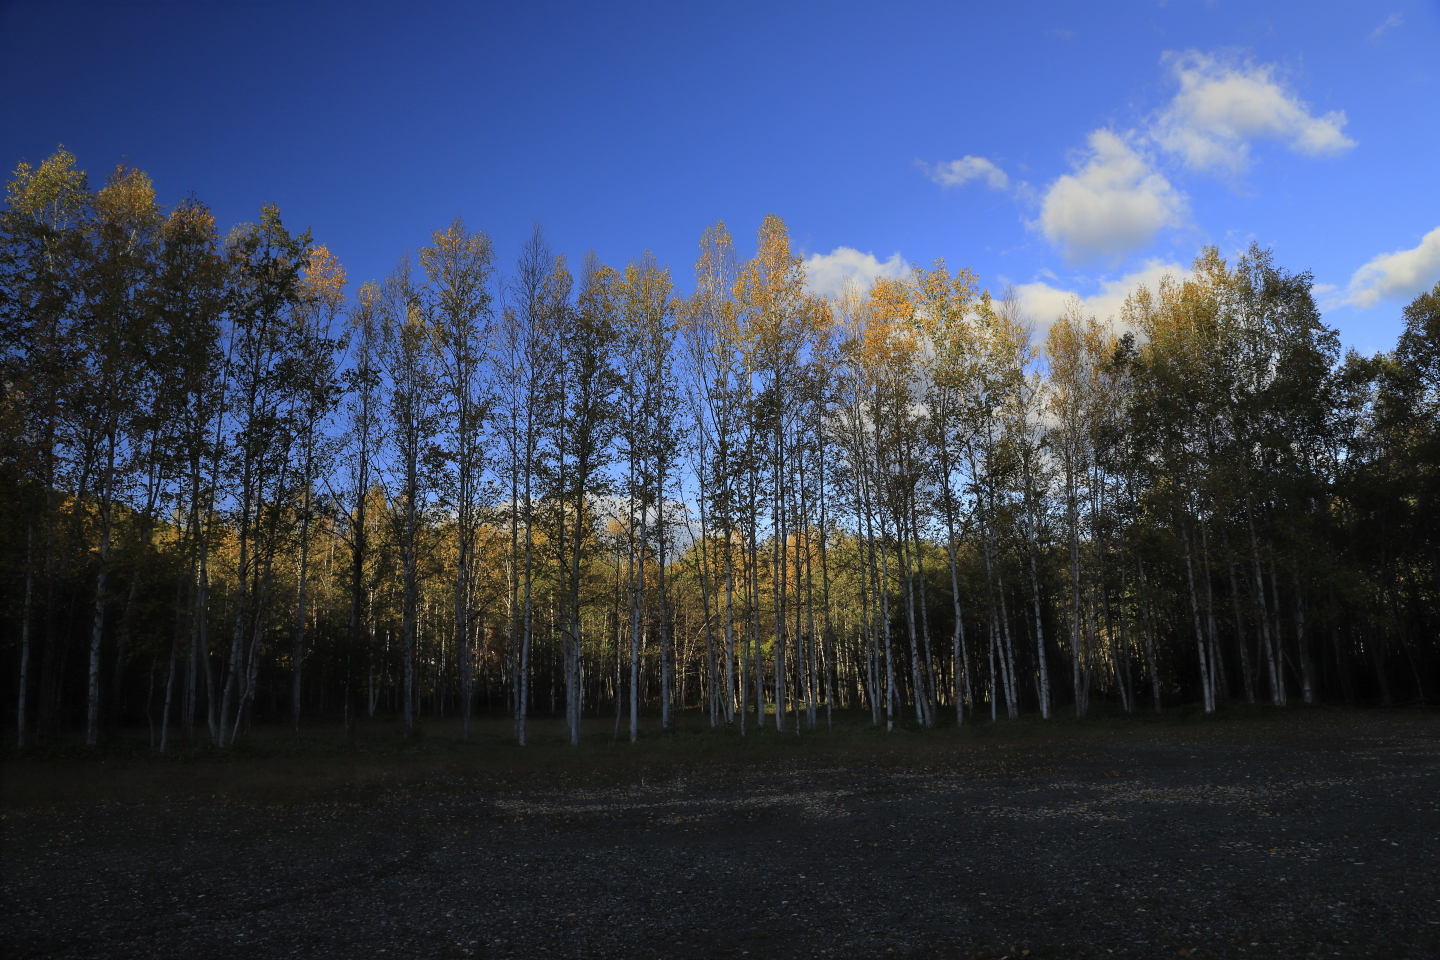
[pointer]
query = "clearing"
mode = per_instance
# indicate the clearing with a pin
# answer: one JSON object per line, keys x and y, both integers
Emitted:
{"x": 1313, "y": 833}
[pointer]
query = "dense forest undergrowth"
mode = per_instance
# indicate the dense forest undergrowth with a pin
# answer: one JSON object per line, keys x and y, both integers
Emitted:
{"x": 240, "y": 498}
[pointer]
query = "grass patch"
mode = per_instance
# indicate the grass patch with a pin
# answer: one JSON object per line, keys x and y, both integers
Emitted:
{"x": 272, "y": 765}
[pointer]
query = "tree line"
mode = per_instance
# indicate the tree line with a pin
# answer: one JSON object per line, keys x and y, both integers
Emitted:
{"x": 236, "y": 493}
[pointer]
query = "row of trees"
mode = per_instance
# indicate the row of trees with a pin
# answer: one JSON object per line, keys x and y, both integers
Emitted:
{"x": 232, "y": 492}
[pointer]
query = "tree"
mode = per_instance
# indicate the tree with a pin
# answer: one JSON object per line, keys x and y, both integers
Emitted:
{"x": 322, "y": 296}
{"x": 587, "y": 336}
{"x": 647, "y": 313}
{"x": 192, "y": 297}
{"x": 713, "y": 361}
{"x": 118, "y": 347}
{"x": 266, "y": 293}
{"x": 527, "y": 384}
{"x": 460, "y": 269}
{"x": 779, "y": 319}
{"x": 946, "y": 302}
{"x": 44, "y": 223}
{"x": 410, "y": 345}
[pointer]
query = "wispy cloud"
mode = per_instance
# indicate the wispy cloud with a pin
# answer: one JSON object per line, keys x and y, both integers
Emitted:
{"x": 1390, "y": 22}
{"x": 955, "y": 173}
{"x": 1396, "y": 275}
{"x": 826, "y": 273}
{"x": 1114, "y": 203}
{"x": 1223, "y": 105}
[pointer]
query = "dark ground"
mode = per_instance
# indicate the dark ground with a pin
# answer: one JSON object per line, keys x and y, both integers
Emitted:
{"x": 1301, "y": 836}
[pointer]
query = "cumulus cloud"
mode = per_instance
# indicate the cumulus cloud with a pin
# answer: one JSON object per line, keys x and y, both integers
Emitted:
{"x": 1399, "y": 274}
{"x": 1222, "y": 106}
{"x": 958, "y": 172}
{"x": 1043, "y": 302}
{"x": 1120, "y": 194}
{"x": 1113, "y": 203}
{"x": 826, "y": 273}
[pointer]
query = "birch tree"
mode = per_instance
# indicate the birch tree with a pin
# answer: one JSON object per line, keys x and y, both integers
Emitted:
{"x": 322, "y": 297}
{"x": 266, "y": 266}
{"x": 647, "y": 313}
{"x": 411, "y": 351}
{"x": 527, "y": 385}
{"x": 459, "y": 267}
{"x": 588, "y": 340}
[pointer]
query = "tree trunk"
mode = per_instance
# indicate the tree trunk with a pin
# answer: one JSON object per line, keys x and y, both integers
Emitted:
{"x": 24, "y": 685}
{"x": 1150, "y": 665}
{"x": 1207, "y": 691}
{"x": 92, "y": 709}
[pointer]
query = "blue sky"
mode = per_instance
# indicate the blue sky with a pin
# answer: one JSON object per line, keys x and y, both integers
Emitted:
{"x": 1064, "y": 148}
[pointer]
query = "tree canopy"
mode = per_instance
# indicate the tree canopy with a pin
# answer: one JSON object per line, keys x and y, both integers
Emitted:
{"x": 467, "y": 488}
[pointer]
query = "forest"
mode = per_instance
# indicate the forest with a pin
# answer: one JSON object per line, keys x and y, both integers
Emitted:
{"x": 237, "y": 492}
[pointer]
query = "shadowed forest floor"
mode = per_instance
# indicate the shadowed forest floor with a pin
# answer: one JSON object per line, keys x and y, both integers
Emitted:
{"x": 1313, "y": 833}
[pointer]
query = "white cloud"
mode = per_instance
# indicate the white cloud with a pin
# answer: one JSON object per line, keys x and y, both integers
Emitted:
{"x": 1399, "y": 274}
{"x": 1394, "y": 20}
{"x": 1043, "y": 302}
{"x": 826, "y": 273}
{"x": 958, "y": 172}
{"x": 1222, "y": 106}
{"x": 1113, "y": 204}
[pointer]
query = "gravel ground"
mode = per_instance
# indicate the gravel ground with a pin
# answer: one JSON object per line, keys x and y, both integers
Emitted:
{"x": 1160, "y": 846}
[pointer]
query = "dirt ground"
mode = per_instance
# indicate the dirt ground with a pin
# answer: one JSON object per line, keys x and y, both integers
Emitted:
{"x": 1249, "y": 840}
